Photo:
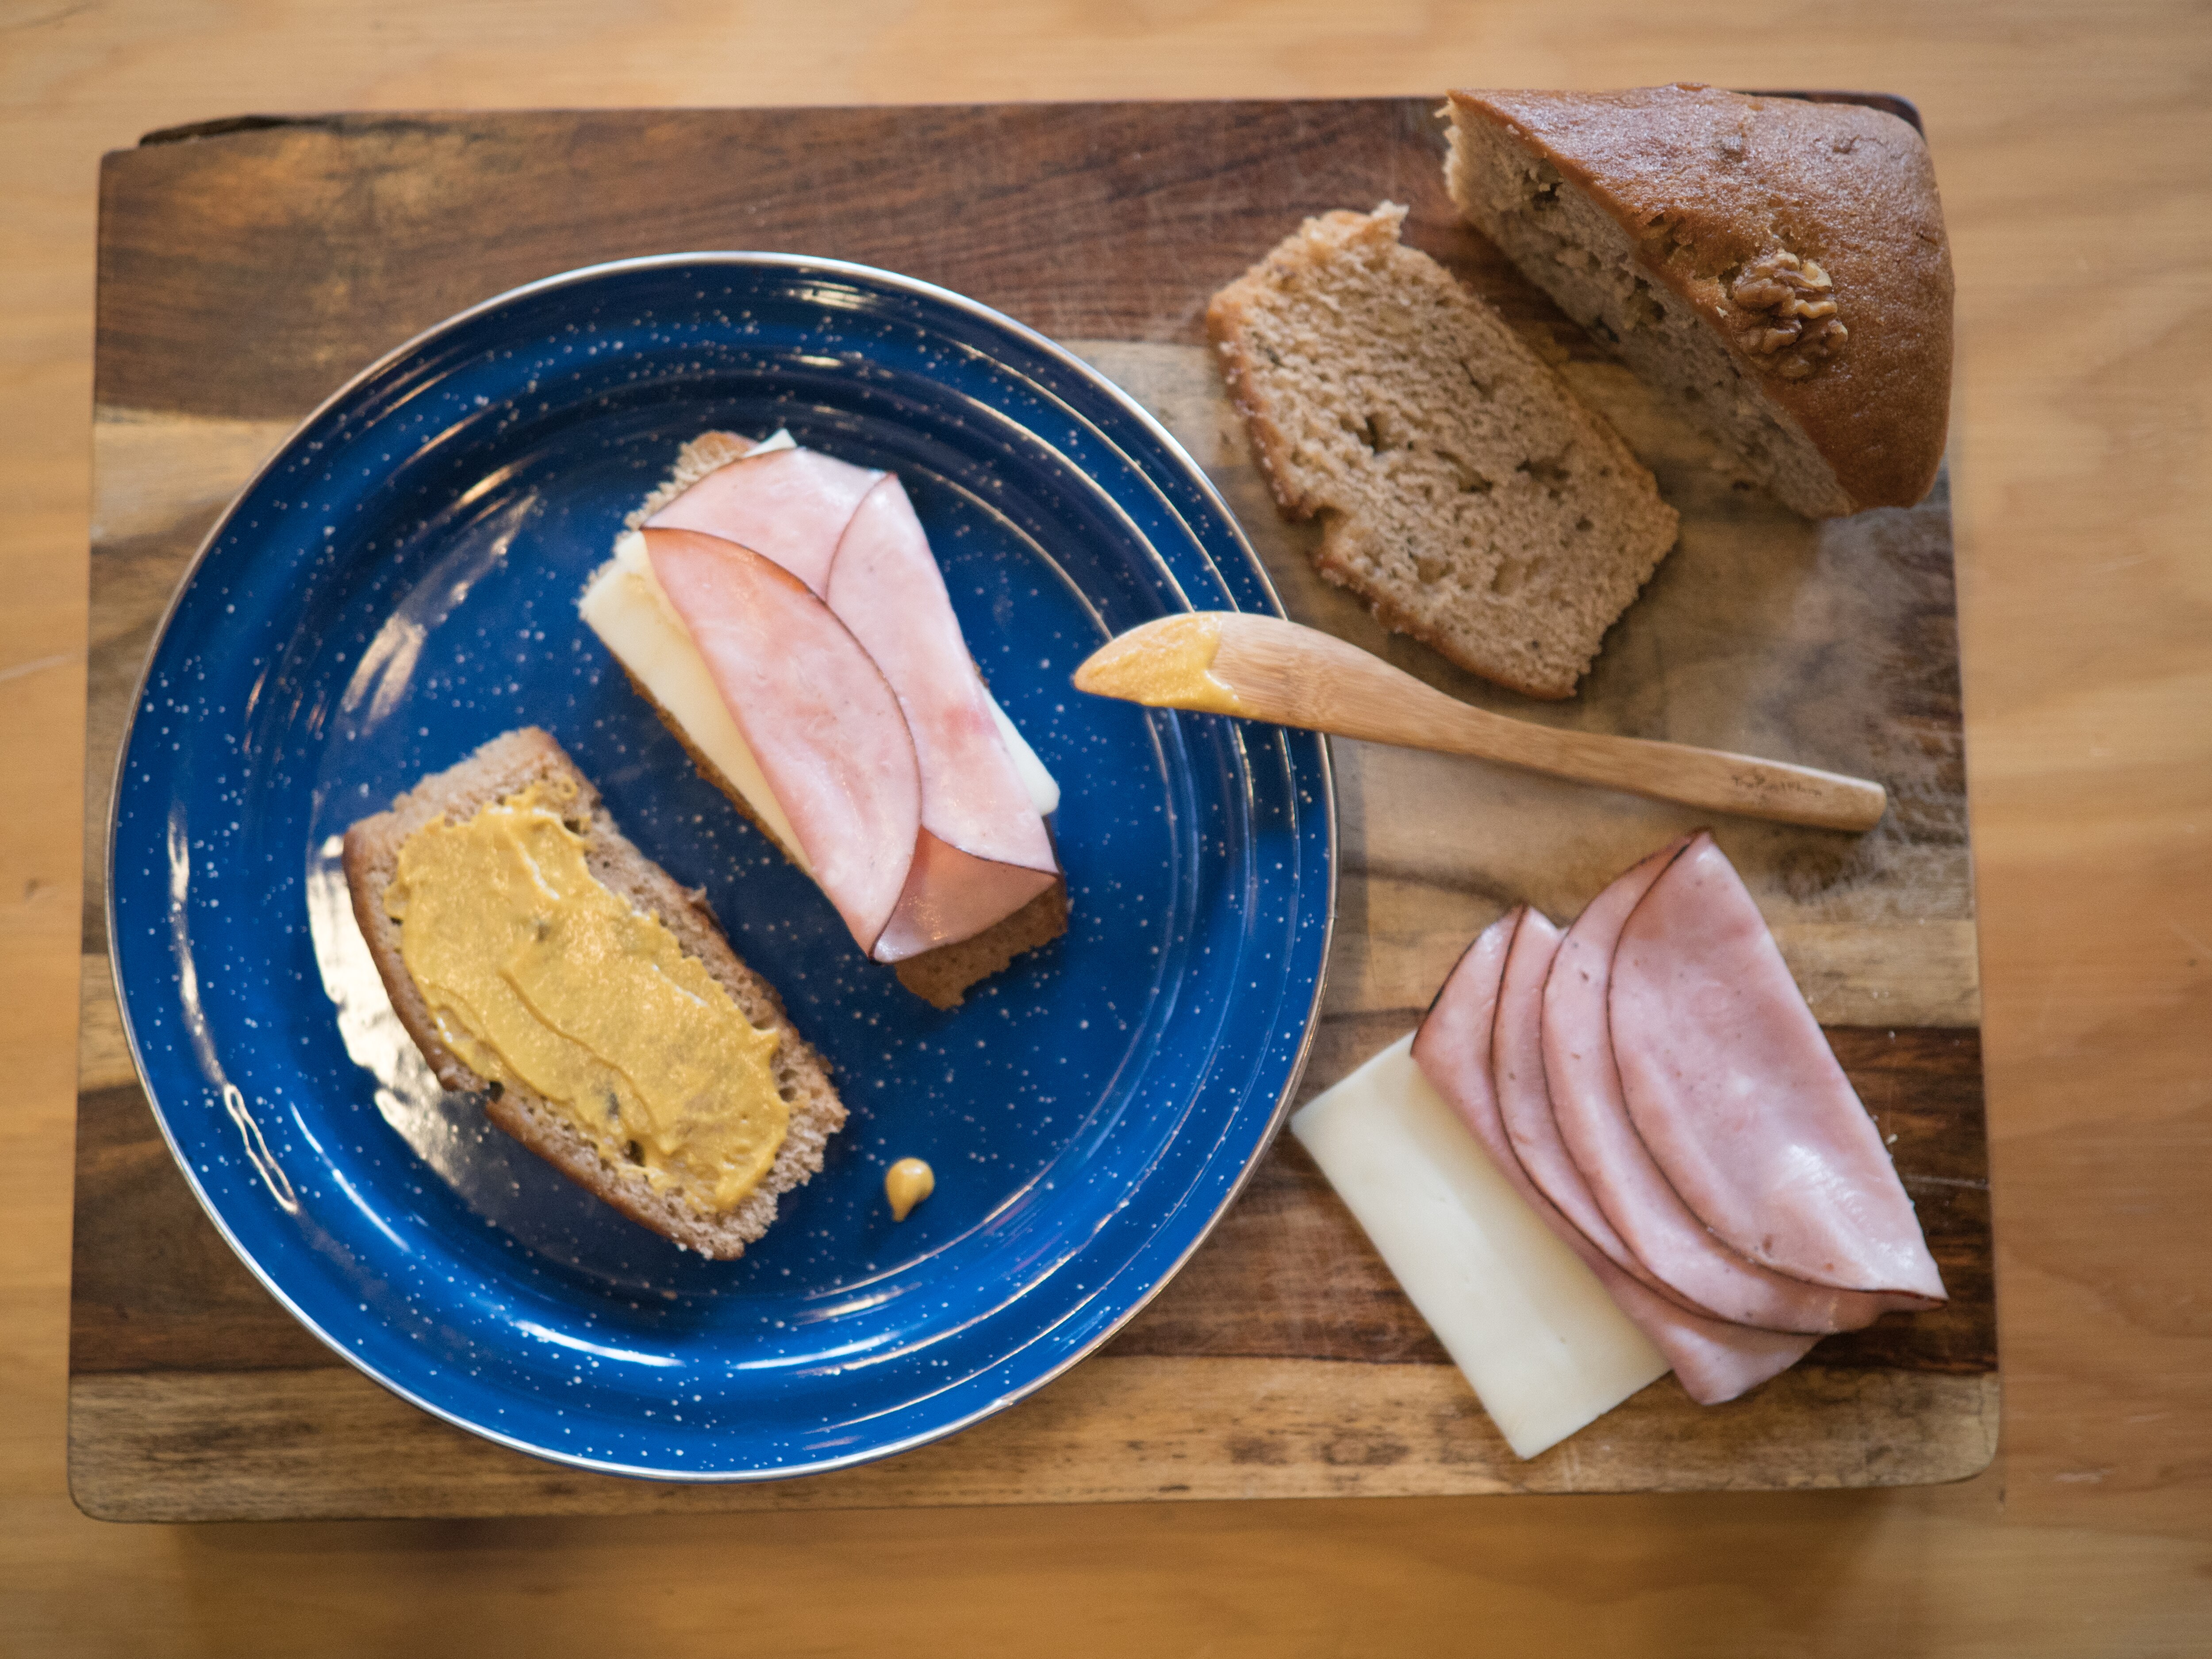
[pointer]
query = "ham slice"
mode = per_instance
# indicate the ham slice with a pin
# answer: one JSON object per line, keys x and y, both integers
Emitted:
{"x": 950, "y": 895}
{"x": 984, "y": 852}
{"x": 1515, "y": 1064}
{"x": 1714, "y": 1362}
{"x": 831, "y": 742}
{"x": 1643, "y": 1208}
{"x": 790, "y": 506}
{"x": 1738, "y": 1097}
{"x": 850, "y": 534}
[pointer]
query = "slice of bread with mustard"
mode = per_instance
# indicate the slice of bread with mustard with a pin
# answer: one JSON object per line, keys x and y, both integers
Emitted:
{"x": 538, "y": 960}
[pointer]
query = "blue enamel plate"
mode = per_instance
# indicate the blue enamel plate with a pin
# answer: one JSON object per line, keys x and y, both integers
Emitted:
{"x": 400, "y": 584}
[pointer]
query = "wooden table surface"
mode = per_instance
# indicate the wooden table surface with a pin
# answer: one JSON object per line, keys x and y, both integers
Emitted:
{"x": 2073, "y": 150}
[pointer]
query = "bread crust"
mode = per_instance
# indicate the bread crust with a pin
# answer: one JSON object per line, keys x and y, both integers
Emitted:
{"x": 1705, "y": 181}
{"x": 943, "y": 977}
{"x": 500, "y": 769}
{"x": 710, "y": 452}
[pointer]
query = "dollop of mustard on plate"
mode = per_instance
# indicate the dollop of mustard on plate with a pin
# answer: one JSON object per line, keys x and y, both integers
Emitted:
{"x": 905, "y": 1184}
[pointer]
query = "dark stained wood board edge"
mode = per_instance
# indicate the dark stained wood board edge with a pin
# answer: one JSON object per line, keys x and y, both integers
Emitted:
{"x": 198, "y": 239}
{"x": 223, "y": 125}
{"x": 326, "y": 1444}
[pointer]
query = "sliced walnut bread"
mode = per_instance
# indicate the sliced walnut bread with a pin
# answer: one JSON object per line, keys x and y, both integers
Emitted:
{"x": 1463, "y": 491}
{"x": 1777, "y": 270}
{"x": 503, "y": 767}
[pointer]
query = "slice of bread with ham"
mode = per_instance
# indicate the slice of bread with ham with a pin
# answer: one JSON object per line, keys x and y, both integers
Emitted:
{"x": 782, "y": 612}
{"x": 1653, "y": 1084}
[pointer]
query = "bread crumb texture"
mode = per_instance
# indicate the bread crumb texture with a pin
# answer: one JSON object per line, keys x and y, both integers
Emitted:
{"x": 1463, "y": 491}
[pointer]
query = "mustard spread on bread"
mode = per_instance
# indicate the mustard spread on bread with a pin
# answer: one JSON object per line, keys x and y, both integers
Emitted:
{"x": 1168, "y": 664}
{"x": 537, "y": 973}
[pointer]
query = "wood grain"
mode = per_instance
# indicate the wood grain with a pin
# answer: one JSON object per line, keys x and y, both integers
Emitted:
{"x": 2074, "y": 149}
{"x": 1834, "y": 640}
{"x": 1115, "y": 1430}
{"x": 453, "y": 209}
{"x": 1287, "y": 1275}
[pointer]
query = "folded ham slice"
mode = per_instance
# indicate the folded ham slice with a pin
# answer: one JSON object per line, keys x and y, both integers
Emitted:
{"x": 790, "y": 506}
{"x": 832, "y": 741}
{"x": 1714, "y": 1362}
{"x": 1515, "y": 1064}
{"x": 980, "y": 851}
{"x": 984, "y": 852}
{"x": 950, "y": 895}
{"x": 1646, "y": 1211}
{"x": 1738, "y": 1097}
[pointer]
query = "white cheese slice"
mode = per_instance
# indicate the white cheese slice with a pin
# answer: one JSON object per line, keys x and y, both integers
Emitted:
{"x": 1542, "y": 1344}
{"x": 1043, "y": 787}
{"x": 625, "y": 605}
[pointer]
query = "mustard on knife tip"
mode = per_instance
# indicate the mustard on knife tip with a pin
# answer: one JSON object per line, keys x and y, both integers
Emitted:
{"x": 1166, "y": 664}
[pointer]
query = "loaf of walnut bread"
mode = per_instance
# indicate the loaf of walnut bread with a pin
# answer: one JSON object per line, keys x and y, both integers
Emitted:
{"x": 504, "y": 767}
{"x": 1775, "y": 269}
{"x": 1463, "y": 491}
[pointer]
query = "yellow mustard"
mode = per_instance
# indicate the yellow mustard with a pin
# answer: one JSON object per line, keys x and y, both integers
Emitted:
{"x": 538, "y": 973}
{"x": 905, "y": 1184}
{"x": 1167, "y": 664}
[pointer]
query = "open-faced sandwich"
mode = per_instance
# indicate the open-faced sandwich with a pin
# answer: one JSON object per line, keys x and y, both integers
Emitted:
{"x": 782, "y": 612}
{"x": 538, "y": 960}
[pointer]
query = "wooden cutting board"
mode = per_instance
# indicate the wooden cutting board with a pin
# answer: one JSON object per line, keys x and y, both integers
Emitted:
{"x": 247, "y": 268}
